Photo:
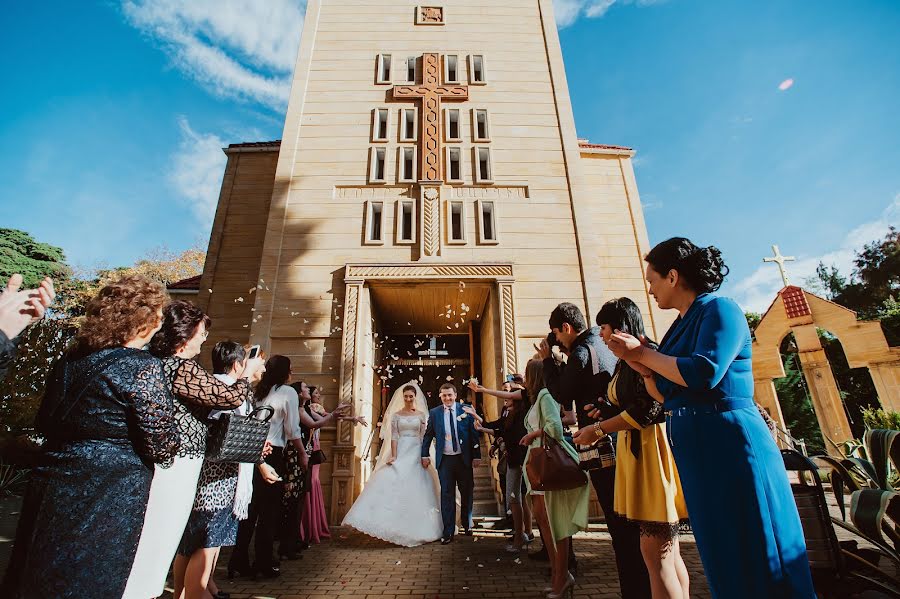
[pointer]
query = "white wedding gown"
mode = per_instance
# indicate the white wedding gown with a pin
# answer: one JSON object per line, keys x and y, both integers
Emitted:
{"x": 401, "y": 502}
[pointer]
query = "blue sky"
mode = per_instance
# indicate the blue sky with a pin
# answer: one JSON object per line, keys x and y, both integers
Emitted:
{"x": 114, "y": 113}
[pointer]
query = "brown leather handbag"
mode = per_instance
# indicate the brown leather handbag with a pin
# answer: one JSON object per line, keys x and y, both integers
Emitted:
{"x": 550, "y": 468}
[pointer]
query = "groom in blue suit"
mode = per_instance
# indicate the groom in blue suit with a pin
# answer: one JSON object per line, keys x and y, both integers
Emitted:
{"x": 458, "y": 451}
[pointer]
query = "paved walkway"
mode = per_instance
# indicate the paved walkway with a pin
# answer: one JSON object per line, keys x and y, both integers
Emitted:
{"x": 354, "y": 565}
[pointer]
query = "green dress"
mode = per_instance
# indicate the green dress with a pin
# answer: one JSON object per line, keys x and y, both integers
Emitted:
{"x": 566, "y": 510}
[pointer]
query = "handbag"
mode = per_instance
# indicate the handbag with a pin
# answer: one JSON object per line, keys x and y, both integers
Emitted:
{"x": 551, "y": 468}
{"x": 236, "y": 438}
{"x": 317, "y": 457}
{"x": 601, "y": 454}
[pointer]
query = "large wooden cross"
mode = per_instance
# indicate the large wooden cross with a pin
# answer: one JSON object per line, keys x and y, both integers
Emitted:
{"x": 431, "y": 93}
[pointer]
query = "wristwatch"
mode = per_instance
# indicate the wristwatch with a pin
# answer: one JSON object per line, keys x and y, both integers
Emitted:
{"x": 599, "y": 431}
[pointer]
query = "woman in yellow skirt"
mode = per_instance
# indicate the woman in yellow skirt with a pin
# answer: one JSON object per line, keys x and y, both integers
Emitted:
{"x": 647, "y": 490}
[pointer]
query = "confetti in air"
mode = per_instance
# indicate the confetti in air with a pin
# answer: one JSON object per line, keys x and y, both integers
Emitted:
{"x": 786, "y": 84}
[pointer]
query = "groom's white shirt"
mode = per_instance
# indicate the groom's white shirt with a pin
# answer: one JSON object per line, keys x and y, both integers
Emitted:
{"x": 450, "y": 421}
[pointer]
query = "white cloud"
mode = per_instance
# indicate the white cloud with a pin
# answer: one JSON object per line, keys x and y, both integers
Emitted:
{"x": 197, "y": 168}
{"x": 569, "y": 11}
{"x": 235, "y": 48}
{"x": 757, "y": 291}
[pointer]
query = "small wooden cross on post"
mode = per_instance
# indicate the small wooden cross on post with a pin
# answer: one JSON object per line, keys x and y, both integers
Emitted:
{"x": 431, "y": 93}
{"x": 780, "y": 260}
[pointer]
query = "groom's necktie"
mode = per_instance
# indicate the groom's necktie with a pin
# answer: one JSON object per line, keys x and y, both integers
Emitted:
{"x": 453, "y": 430}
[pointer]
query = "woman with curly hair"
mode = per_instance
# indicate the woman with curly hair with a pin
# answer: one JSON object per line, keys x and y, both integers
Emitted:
{"x": 196, "y": 392}
{"x": 108, "y": 417}
{"x": 742, "y": 510}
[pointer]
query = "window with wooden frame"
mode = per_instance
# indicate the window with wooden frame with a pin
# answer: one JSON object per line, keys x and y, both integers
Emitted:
{"x": 452, "y": 125}
{"x": 380, "y": 122}
{"x": 477, "y": 73}
{"x": 406, "y": 165}
{"x": 481, "y": 125}
{"x": 409, "y": 130}
{"x": 377, "y": 164}
{"x": 406, "y": 222}
{"x": 487, "y": 222}
{"x": 454, "y": 168}
{"x": 374, "y": 223}
{"x": 451, "y": 68}
{"x": 484, "y": 169}
{"x": 383, "y": 69}
{"x": 456, "y": 222}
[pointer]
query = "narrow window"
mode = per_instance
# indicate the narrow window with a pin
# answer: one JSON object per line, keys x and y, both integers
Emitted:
{"x": 453, "y": 133}
{"x": 452, "y": 68}
{"x": 480, "y": 120}
{"x": 406, "y": 220}
{"x": 487, "y": 216}
{"x": 408, "y": 124}
{"x": 375, "y": 220}
{"x": 407, "y": 165}
{"x": 457, "y": 223}
{"x": 483, "y": 168}
{"x": 376, "y": 168}
{"x": 476, "y": 64}
{"x": 384, "y": 68}
{"x": 411, "y": 69}
{"x": 380, "y": 124}
{"x": 454, "y": 165}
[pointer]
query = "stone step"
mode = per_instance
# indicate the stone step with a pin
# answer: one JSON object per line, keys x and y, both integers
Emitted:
{"x": 484, "y": 507}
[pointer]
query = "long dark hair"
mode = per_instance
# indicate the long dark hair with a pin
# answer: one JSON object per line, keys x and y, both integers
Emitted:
{"x": 278, "y": 371}
{"x": 703, "y": 269}
{"x": 181, "y": 320}
{"x": 534, "y": 378}
{"x": 622, "y": 314}
{"x": 298, "y": 387}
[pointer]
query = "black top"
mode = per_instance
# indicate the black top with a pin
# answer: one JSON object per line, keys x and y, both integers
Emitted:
{"x": 575, "y": 381}
{"x": 511, "y": 429}
{"x": 635, "y": 400}
{"x": 7, "y": 354}
{"x": 197, "y": 392}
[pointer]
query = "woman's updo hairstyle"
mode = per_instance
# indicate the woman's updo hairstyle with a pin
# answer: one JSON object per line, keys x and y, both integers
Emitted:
{"x": 702, "y": 269}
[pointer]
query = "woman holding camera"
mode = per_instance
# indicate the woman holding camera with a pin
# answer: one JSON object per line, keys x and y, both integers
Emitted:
{"x": 647, "y": 487}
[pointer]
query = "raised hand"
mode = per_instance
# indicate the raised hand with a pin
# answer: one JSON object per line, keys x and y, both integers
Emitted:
{"x": 543, "y": 349}
{"x": 625, "y": 346}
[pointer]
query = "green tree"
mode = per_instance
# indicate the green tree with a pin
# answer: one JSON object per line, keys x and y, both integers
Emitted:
{"x": 20, "y": 253}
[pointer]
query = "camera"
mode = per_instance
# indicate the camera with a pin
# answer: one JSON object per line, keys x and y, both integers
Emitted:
{"x": 551, "y": 339}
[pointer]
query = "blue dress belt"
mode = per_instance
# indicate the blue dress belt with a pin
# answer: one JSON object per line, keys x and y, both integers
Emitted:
{"x": 716, "y": 407}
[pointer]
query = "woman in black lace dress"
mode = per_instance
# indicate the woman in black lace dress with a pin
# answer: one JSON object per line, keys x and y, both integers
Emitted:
{"x": 108, "y": 417}
{"x": 196, "y": 392}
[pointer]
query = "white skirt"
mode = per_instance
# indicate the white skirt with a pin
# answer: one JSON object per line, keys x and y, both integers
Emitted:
{"x": 171, "y": 498}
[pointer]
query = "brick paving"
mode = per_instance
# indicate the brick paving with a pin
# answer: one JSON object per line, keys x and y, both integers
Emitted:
{"x": 354, "y": 565}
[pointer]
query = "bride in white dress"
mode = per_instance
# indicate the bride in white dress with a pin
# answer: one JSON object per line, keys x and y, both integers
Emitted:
{"x": 401, "y": 502}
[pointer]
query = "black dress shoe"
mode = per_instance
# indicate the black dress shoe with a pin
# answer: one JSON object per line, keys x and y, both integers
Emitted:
{"x": 234, "y": 572}
{"x": 270, "y": 572}
{"x": 446, "y": 541}
{"x": 468, "y": 532}
{"x": 222, "y": 595}
{"x": 289, "y": 556}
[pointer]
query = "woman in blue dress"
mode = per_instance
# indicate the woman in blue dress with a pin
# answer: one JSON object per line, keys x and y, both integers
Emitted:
{"x": 742, "y": 510}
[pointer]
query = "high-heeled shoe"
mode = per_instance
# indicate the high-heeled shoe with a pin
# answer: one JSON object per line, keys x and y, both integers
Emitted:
{"x": 568, "y": 589}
